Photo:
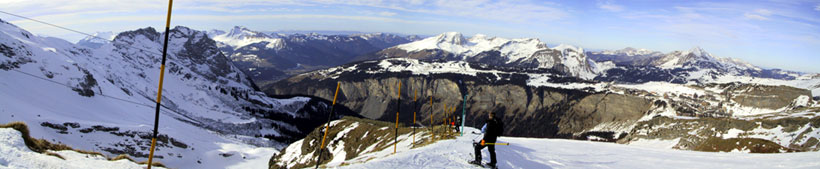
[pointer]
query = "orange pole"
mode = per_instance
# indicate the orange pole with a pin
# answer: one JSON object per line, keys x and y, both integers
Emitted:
{"x": 433, "y": 132}
{"x": 444, "y": 117}
{"x": 159, "y": 88}
{"x": 333, "y": 104}
{"x": 414, "y": 117}
{"x": 327, "y": 126}
{"x": 398, "y": 107}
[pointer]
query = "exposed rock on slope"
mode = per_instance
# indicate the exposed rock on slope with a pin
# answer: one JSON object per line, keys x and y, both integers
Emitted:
{"x": 351, "y": 140}
{"x": 540, "y": 102}
{"x": 531, "y": 111}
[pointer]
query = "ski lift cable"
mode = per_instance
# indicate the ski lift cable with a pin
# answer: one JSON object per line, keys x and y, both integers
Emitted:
{"x": 80, "y": 32}
{"x": 69, "y": 86}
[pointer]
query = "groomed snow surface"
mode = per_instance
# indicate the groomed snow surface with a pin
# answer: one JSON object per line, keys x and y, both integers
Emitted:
{"x": 560, "y": 153}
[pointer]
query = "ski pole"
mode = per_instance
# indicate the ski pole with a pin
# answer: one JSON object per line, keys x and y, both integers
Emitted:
{"x": 483, "y": 143}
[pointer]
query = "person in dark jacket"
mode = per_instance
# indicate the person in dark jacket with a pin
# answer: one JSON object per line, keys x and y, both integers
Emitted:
{"x": 491, "y": 129}
{"x": 458, "y": 122}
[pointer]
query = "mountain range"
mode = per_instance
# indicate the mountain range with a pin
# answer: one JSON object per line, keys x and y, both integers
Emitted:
{"x": 242, "y": 95}
{"x": 268, "y": 57}
{"x": 102, "y": 99}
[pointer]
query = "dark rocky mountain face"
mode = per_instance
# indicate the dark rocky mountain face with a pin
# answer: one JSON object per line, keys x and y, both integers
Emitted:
{"x": 530, "y": 111}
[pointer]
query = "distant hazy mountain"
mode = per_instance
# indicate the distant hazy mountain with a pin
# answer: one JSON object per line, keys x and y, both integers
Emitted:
{"x": 642, "y": 65}
{"x": 99, "y": 39}
{"x": 268, "y": 57}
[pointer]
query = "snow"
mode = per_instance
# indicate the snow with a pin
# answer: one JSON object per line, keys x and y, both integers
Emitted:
{"x": 602, "y": 67}
{"x": 543, "y": 80}
{"x": 629, "y": 52}
{"x": 732, "y": 133}
{"x": 801, "y": 100}
{"x": 561, "y": 153}
{"x": 655, "y": 143}
{"x": 15, "y": 154}
{"x": 741, "y": 111}
{"x": 241, "y": 36}
{"x": 664, "y": 87}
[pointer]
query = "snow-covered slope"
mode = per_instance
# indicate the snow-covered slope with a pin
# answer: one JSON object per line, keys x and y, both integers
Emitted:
{"x": 212, "y": 115}
{"x": 15, "y": 154}
{"x": 559, "y": 153}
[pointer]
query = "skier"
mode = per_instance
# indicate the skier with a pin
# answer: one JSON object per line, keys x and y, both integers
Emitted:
{"x": 491, "y": 129}
{"x": 458, "y": 121}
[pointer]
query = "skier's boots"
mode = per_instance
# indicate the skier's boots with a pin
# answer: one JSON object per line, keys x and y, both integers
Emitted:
{"x": 492, "y": 166}
{"x": 478, "y": 163}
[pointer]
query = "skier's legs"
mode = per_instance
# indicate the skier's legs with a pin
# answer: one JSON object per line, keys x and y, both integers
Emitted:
{"x": 491, "y": 148}
{"x": 478, "y": 151}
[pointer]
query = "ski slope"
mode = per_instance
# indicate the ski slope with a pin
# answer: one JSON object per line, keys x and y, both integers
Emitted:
{"x": 561, "y": 153}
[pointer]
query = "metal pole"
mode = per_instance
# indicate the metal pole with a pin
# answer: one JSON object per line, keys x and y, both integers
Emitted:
{"x": 159, "y": 89}
{"x": 464, "y": 113}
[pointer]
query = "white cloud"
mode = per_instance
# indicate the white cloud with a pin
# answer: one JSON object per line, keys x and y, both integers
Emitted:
{"x": 385, "y": 13}
{"x": 764, "y": 12}
{"x": 502, "y": 10}
{"x": 610, "y": 7}
{"x": 758, "y": 14}
{"x": 755, "y": 16}
{"x": 817, "y": 7}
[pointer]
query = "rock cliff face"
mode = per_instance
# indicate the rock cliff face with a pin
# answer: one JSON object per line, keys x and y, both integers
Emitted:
{"x": 528, "y": 111}
{"x": 545, "y": 103}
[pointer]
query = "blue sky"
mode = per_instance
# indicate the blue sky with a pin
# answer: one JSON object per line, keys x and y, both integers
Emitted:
{"x": 771, "y": 33}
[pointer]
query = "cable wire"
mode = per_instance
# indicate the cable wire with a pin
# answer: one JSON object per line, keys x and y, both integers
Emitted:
{"x": 72, "y": 87}
{"x": 80, "y": 32}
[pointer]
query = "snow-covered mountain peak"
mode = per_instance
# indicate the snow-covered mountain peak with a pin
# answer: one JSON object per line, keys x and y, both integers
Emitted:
{"x": 368, "y": 36}
{"x": 455, "y": 43}
{"x": 568, "y": 48}
{"x": 454, "y": 38}
{"x": 520, "y": 52}
{"x": 478, "y": 37}
{"x": 241, "y": 32}
{"x": 241, "y": 36}
{"x": 98, "y": 39}
{"x": 630, "y": 51}
{"x": 697, "y": 51}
